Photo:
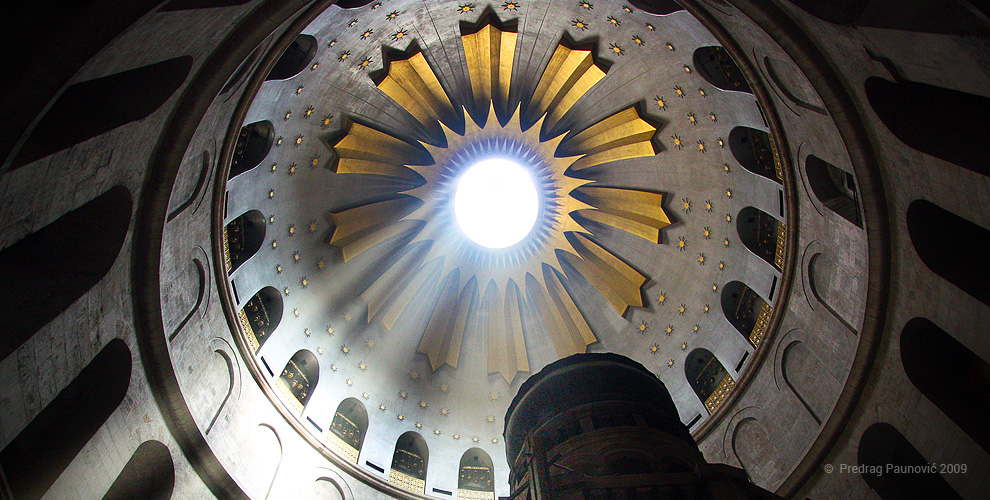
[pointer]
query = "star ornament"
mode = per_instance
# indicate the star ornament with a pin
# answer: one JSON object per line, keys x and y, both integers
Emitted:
{"x": 498, "y": 279}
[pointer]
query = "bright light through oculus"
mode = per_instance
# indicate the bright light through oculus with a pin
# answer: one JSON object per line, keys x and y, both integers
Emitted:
{"x": 495, "y": 203}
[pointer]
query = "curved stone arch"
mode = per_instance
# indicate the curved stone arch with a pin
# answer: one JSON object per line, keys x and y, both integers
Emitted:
{"x": 206, "y": 164}
{"x": 227, "y": 353}
{"x": 203, "y": 281}
{"x": 834, "y": 188}
{"x": 281, "y": 453}
{"x": 295, "y": 58}
{"x": 335, "y": 480}
{"x": 788, "y": 83}
{"x": 790, "y": 351}
{"x": 148, "y": 475}
{"x": 748, "y": 412}
{"x": 818, "y": 286}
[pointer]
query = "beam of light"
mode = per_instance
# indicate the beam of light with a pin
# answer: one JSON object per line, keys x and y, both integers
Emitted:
{"x": 495, "y": 203}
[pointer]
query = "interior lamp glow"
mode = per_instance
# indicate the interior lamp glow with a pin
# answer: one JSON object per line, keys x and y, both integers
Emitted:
{"x": 495, "y": 203}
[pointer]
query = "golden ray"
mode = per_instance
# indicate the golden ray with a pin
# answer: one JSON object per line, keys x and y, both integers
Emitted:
{"x": 441, "y": 252}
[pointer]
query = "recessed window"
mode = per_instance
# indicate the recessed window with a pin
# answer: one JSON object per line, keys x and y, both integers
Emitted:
{"x": 495, "y": 203}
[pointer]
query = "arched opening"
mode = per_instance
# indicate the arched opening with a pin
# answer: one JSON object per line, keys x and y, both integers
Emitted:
{"x": 175, "y": 5}
{"x": 835, "y": 188}
{"x": 754, "y": 151}
{"x": 882, "y": 447}
{"x": 298, "y": 380}
{"x": 801, "y": 370}
{"x": 91, "y": 108}
{"x": 349, "y": 426}
{"x": 763, "y": 235}
{"x": 296, "y": 58}
{"x": 657, "y": 7}
{"x": 928, "y": 118}
{"x": 38, "y": 455}
{"x": 243, "y": 237}
{"x": 476, "y": 476}
{"x": 48, "y": 270}
{"x": 253, "y": 144}
{"x": 148, "y": 475}
{"x": 409, "y": 463}
{"x": 709, "y": 379}
{"x": 948, "y": 374}
{"x": 952, "y": 247}
{"x": 717, "y": 68}
{"x": 951, "y": 17}
{"x": 746, "y": 311}
{"x": 352, "y": 4}
{"x": 260, "y": 316}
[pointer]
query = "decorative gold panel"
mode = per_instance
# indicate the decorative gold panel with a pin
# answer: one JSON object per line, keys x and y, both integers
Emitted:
{"x": 720, "y": 393}
{"x": 287, "y": 397}
{"x": 761, "y": 325}
{"x": 406, "y": 482}
{"x": 778, "y": 257}
{"x": 226, "y": 250}
{"x": 489, "y": 54}
{"x": 343, "y": 449}
{"x": 475, "y": 495}
{"x": 248, "y": 331}
{"x": 413, "y": 84}
{"x": 569, "y": 74}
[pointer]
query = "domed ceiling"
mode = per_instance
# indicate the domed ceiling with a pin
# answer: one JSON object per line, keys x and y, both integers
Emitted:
{"x": 659, "y": 229}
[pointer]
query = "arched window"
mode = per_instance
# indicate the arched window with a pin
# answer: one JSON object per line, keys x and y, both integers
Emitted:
{"x": 148, "y": 475}
{"x": 476, "y": 476}
{"x": 349, "y": 426}
{"x": 409, "y": 463}
{"x": 658, "y": 7}
{"x": 296, "y": 58}
{"x": 881, "y": 447}
{"x": 948, "y": 374}
{"x": 252, "y": 147}
{"x": 38, "y": 455}
{"x": 717, "y": 68}
{"x": 754, "y": 151}
{"x": 763, "y": 235}
{"x": 48, "y": 270}
{"x": 298, "y": 379}
{"x": 746, "y": 311}
{"x": 926, "y": 16}
{"x": 952, "y": 247}
{"x": 91, "y": 108}
{"x": 352, "y": 4}
{"x": 708, "y": 378}
{"x": 835, "y": 188}
{"x": 941, "y": 122}
{"x": 260, "y": 316}
{"x": 243, "y": 237}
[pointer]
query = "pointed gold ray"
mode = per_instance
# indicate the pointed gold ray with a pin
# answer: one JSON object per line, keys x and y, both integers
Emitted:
{"x": 403, "y": 295}
{"x": 383, "y": 290}
{"x": 632, "y": 210}
{"x": 568, "y": 76}
{"x": 618, "y": 137}
{"x": 443, "y": 335}
{"x": 360, "y": 228}
{"x": 489, "y": 54}
{"x": 414, "y": 86}
{"x": 617, "y": 281}
{"x": 365, "y": 143}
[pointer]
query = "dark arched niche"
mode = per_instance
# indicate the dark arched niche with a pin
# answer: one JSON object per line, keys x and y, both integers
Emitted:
{"x": 835, "y": 188}
{"x": 762, "y": 234}
{"x": 882, "y": 446}
{"x": 244, "y": 236}
{"x": 952, "y": 17}
{"x": 705, "y": 374}
{"x": 174, "y": 5}
{"x": 745, "y": 310}
{"x": 148, "y": 475}
{"x": 300, "y": 376}
{"x": 658, "y": 7}
{"x": 952, "y": 247}
{"x": 937, "y": 121}
{"x": 476, "y": 472}
{"x": 948, "y": 374}
{"x": 296, "y": 58}
{"x": 752, "y": 149}
{"x": 94, "y": 107}
{"x": 253, "y": 144}
{"x": 38, "y": 455}
{"x": 717, "y": 68}
{"x": 48, "y": 270}
{"x": 409, "y": 461}
{"x": 349, "y": 426}
{"x": 260, "y": 316}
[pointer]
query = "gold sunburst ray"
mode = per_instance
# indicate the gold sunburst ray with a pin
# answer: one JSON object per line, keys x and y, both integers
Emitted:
{"x": 460, "y": 275}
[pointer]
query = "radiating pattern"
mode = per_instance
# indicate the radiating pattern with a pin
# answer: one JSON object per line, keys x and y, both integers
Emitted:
{"x": 462, "y": 277}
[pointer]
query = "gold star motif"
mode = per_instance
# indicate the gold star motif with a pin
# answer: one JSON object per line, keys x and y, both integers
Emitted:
{"x": 414, "y": 375}
{"x": 670, "y": 363}
{"x": 365, "y": 395}
{"x": 366, "y": 33}
{"x": 275, "y": 245}
{"x": 692, "y": 119}
{"x": 278, "y": 142}
{"x": 403, "y": 394}
{"x": 701, "y": 145}
{"x": 661, "y": 103}
{"x": 352, "y": 23}
{"x": 686, "y": 204}
{"x": 638, "y": 41}
{"x": 349, "y": 382}
{"x": 365, "y": 62}
{"x": 330, "y": 329}
{"x": 490, "y": 419}
{"x": 292, "y": 169}
{"x": 728, "y": 217}
{"x": 274, "y": 167}
{"x": 677, "y": 141}
{"x": 650, "y": 27}
{"x": 579, "y": 24}
{"x": 286, "y": 290}
{"x": 419, "y": 425}
{"x": 701, "y": 258}
{"x": 728, "y": 193}
{"x": 304, "y": 282}
{"x": 726, "y": 241}
{"x": 307, "y": 332}
{"x": 715, "y": 120}
{"x": 332, "y": 43}
{"x": 708, "y": 206}
{"x": 288, "y": 114}
{"x": 456, "y": 436}
{"x": 707, "y": 233}
{"x": 494, "y": 396}
{"x": 376, "y": 6}
{"x": 319, "y": 350}
{"x": 662, "y": 298}
{"x": 444, "y": 388}
{"x": 721, "y": 265}
{"x": 682, "y": 309}
{"x": 670, "y": 46}
{"x": 721, "y": 143}
{"x": 586, "y": 5}
{"x": 465, "y": 8}
{"x": 679, "y": 91}
{"x": 655, "y": 349}
{"x": 684, "y": 346}
{"x": 445, "y": 412}
{"x": 399, "y": 35}
{"x": 681, "y": 243}
{"x": 436, "y": 431}
{"x": 707, "y": 308}
{"x": 271, "y": 193}
{"x": 299, "y": 90}
{"x": 494, "y": 440}
{"x": 475, "y": 439}
{"x": 333, "y": 367}
{"x": 613, "y": 20}
{"x": 696, "y": 327}
{"x": 687, "y": 69}
{"x": 400, "y": 417}
{"x": 320, "y": 264}
{"x": 278, "y": 268}
{"x": 382, "y": 407}
{"x": 344, "y": 349}
{"x": 316, "y": 160}
{"x": 669, "y": 330}
{"x": 725, "y": 166}
{"x": 344, "y": 55}
{"x": 309, "y": 112}
{"x": 391, "y": 15}
{"x": 617, "y": 49}
{"x": 296, "y": 256}
{"x": 370, "y": 343}
{"x": 714, "y": 287}
{"x": 702, "y": 92}
{"x": 423, "y": 404}
{"x": 362, "y": 366}
{"x": 326, "y": 121}
{"x": 292, "y": 229}
{"x": 511, "y": 5}
{"x": 642, "y": 327}
{"x": 315, "y": 65}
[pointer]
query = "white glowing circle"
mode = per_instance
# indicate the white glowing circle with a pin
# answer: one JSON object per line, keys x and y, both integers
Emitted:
{"x": 495, "y": 203}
